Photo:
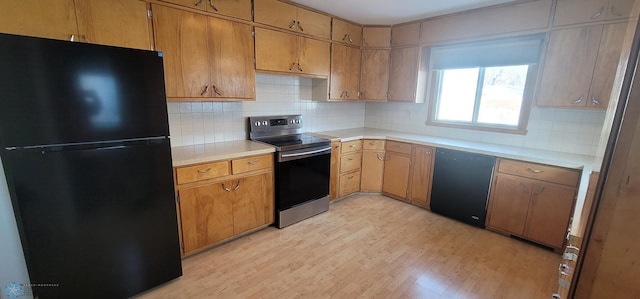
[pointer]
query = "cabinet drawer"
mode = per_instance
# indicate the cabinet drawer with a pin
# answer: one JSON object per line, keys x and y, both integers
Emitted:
{"x": 541, "y": 172}
{"x": 373, "y": 144}
{"x": 349, "y": 183}
{"x": 350, "y": 162}
{"x": 398, "y": 147}
{"x": 190, "y": 174}
{"x": 351, "y": 146}
{"x": 251, "y": 164}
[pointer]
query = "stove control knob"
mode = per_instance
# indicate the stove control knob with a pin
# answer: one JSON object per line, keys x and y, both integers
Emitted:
{"x": 257, "y": 124}
{"x": 297, "y": 120}
{"x": 265, "y": 123}
{"x": 291, "y": 121}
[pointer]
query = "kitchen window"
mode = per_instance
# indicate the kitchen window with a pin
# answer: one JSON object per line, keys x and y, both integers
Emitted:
{"x": 484, "y": 85}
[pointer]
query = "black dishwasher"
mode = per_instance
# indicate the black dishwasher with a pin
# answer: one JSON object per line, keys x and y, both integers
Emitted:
{"x": 461, "y": 183}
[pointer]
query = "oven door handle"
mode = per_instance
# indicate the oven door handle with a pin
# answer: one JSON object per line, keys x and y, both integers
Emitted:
{"x": 305, "y": 153}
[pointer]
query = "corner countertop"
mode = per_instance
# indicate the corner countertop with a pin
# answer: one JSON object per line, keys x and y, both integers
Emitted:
{"x": 502, "y": 151}
{"x": 202, "y": 153}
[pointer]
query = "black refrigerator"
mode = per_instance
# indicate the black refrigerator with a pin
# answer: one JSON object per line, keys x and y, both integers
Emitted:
{"x": 85, "y": 148}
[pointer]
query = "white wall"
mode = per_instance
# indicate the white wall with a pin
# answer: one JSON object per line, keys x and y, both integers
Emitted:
{"x": 206, "y": 122}
{"x": 561, "y": 130}
{"x": 13, "y": 268}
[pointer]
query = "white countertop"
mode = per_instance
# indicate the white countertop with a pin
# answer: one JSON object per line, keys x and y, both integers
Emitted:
{"x": 202, "y": 153}
{"x": 501, "y": 151}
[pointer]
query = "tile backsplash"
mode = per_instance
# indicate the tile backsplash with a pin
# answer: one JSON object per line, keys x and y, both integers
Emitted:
{"x": 571, "y": 131}
{"x": 561, "y": 130}
{"x": 206, "y": 122}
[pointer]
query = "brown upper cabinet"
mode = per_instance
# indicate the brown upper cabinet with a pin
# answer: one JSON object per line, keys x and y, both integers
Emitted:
{"x": 376, "y": 37}
{"x": 374, "y": 74}
{"x": 583, "y": 11}
{"x": 233, "y": 8}
{"x": 345, "y": 72}
{"x": 193, "y": 46}
{"x": 403, "y": 35}
{"x": 90, "y": 21}
{"x": 289, "y": 53}
{"x": 346, "y": 32}
{"x": 529, "y": 15}
{"x": 404, "y": 79}
{"x": 580, "y": 66}
{"x": 293, "y": 18}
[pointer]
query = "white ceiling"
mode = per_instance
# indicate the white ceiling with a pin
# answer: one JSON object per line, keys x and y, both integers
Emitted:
{"x": 389, "y": 12}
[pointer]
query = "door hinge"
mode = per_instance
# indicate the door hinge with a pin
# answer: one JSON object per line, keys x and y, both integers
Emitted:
{"x": 182, "y": 245}
{"x": 149, "y": 14}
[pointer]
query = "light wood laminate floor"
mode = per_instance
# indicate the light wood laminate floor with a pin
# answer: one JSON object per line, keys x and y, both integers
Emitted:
{"x": 369, "y": 246}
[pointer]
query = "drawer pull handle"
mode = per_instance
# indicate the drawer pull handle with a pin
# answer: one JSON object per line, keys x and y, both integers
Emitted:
{"x": 350, "y": 177}
{"x": 292, "y": 24}
{"x": 225, "y": 188}
{"x": 253, "y": 162}
{"x": 352, "y": 145}
{"x": 535, "y": 170}
{"x": 381, "y": 158}
{"x": 204, "y": 170}
{"x": 371, "y": 143}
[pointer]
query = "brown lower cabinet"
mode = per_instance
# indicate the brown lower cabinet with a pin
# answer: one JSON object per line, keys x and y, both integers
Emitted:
{"x": 421, "y": 175}
{"x": 397, "y": 167}
{"x": 218, "y": 208}
{"x": 527, "y": 201}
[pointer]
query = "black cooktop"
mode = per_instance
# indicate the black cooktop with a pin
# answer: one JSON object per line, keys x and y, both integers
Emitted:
{"x": 293, "y": 142}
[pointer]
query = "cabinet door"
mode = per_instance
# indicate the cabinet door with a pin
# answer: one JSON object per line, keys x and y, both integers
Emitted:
{"x": 55, "y": 19}
{"x": 346, "y": 32}
{"x": 313, "y": 23}
{"x": 252, "y": 202}
{"x": 206, "y": 214}
{"x": 396, "y": 174}
{"x": 275, "y": 51}
{"x": 122, "y": 23}
{"x": 509, "y": 203}
{"x": 405, "y": 35}
{"x": 372, "y": 171}
{"x": 620, "y": 9}
{"x": 404, "y": 74}
{"x": 182, "y": 37}
{"x": 580, "y": 11}
{"x": 235, "y": 8}
{"x": 275, "y": 13}
{"x": 345, "y": 71}
{"x": 374, "y": 74}
{"x": 606, "y": 65}
{"x": 421, "y": 175}
{"x": 549, "y": 212}
{"x": 376, "y": 37}
{"x": 231, "y": 50}
{"x": 568, "y": 67}
{"x": 313, "y": 57}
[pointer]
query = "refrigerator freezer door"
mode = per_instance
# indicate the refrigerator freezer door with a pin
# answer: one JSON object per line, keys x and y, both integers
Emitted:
{"x": 58, "y": 92}
{"x": 99, "y": 223}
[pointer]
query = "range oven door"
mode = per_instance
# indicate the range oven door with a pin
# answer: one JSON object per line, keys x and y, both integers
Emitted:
{"x": 302, "y": 176}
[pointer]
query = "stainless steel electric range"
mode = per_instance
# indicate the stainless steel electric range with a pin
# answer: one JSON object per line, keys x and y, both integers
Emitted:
{"x": 301, "y": 168}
